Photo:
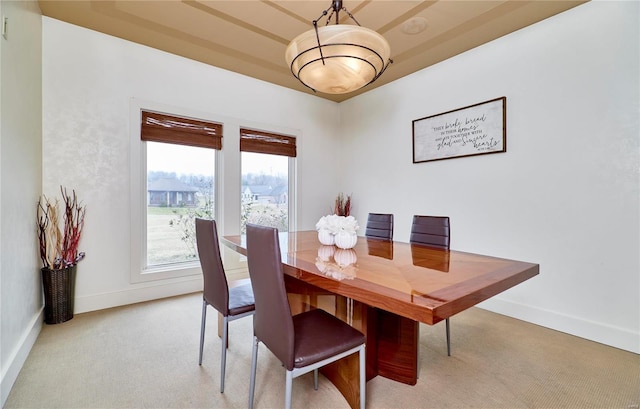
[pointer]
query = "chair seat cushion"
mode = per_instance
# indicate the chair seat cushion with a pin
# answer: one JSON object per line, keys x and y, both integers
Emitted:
{"x": 319, "y": 335}
{"x": 241, "y": 299}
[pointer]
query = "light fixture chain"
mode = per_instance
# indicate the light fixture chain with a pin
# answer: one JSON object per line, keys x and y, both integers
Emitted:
{"x": 324, "y": 13}
{"x": 326, "y": 23}
{"x": 315, "y": 26}
{"x": 350, "y": 15}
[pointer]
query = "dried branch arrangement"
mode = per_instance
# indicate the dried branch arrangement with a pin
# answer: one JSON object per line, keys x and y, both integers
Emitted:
{"x": 342, "y": 206}
{"x": 59, "y": 248}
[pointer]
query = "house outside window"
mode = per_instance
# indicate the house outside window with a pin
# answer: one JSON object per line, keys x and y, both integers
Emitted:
{"x": 171, "y": 192}
{"x": 180, "y": 182}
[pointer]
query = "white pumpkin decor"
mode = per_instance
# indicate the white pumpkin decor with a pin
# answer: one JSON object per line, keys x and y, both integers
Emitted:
{"x": 345, "y": 240}
{"x": 326, "y": 252}
{"x": 340, "y": 266}
{"x": 344, "y": 258}
{"x": 326, "y": 237}
{"x": 333, "y": 228}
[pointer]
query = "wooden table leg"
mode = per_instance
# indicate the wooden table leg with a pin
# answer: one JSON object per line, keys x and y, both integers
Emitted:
{"x": 345, "y": 373}
{"x": 398, "y": 343}
{"x": 391, "y": 348}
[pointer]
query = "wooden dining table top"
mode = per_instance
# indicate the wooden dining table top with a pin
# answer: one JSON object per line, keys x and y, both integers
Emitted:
{"x": 422, "y": 283}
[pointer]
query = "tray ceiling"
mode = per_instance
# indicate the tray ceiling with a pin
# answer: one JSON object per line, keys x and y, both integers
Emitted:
{"x": 250, "y": 36}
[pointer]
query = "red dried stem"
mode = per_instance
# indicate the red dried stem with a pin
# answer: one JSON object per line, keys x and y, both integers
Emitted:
{"x": 342, "y": 206}
{"x": 73, "y": 224}
{"x": 60, "y": 249}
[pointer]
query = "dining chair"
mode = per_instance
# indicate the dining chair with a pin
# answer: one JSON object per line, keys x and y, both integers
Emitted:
{"x": 303, "y": 342}
{"x": 433, "y": 231}
{"x": 379, "y": 226}
{"x": 231, "y": 302}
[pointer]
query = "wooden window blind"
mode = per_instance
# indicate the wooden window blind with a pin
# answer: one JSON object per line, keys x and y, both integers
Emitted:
{"x": 182, "y": 131}
{"x": 266, "y": 142}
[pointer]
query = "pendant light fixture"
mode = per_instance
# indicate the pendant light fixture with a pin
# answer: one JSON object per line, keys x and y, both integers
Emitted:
{"x": 337, "y": 59}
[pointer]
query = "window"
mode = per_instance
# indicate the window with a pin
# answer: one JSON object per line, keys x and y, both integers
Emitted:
{"x": 267, "y": 162}
{"x": 179, "y": 188}
{"x": 178, "y": 160}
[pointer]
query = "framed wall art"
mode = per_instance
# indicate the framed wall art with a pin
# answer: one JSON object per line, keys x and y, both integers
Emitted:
{"x": 473, "y": 130}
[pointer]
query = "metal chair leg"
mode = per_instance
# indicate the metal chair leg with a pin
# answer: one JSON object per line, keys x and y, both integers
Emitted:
{"x": 254, "y": 364}
{"x": 448, "y": 338}
{"x": 315, "y": 379}
{"x": 223, "y": 359}
{"x": 287, "y": 392}
{"x": 202, "y": 325}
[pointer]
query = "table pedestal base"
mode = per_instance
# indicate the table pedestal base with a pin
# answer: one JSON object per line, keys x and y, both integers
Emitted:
{"x": 392, "y": 340}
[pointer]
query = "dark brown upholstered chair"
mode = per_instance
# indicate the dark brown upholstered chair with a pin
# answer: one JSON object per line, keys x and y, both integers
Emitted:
{"x": 303, "y": 342}
{"x": 379, "y": 226}
{"x": 232, "y": 303}
{"x": 433, "y": 231}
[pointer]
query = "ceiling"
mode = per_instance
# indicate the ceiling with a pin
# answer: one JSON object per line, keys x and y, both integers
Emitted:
{"x": 250, "y": 36}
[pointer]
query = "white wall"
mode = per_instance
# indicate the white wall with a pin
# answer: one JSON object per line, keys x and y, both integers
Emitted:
{"x": 89, "y": 80}
{"x": 564, "y": 195}
{"x": 20, "y": 182}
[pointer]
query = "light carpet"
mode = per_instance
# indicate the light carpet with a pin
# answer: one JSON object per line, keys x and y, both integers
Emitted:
{"x": 146, "y": 356}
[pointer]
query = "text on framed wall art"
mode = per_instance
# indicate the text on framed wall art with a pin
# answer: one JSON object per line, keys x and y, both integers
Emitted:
{"x": 473, "y": 130}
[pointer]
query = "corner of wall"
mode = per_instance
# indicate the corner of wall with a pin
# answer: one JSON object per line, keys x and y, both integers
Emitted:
{"x": 19, "y": 356}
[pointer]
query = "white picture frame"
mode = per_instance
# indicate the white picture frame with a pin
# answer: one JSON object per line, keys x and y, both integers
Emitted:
{"x": 472, "y": 130}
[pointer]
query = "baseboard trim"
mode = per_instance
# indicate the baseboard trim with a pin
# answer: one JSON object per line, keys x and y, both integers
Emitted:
{"x": 142, "y": 292}
{"x": 595, "y": 331}
{"x": 19, "y": 356}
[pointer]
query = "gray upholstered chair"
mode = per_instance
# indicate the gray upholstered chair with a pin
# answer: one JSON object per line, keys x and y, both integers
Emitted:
{"x": 232, "y": 303}
{"x": 379, "y": 226}
{"x": 433, "y": 231}
{"x": 303, "y": 342}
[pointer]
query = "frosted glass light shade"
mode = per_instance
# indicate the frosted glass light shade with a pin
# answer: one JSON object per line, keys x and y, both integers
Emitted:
{"x": 354, "y": 56}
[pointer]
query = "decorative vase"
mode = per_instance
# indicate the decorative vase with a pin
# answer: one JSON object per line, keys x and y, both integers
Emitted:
{"x": 59, "y": 294}
{"x": 345, "y": 240}
{"x": 325, "y": 237}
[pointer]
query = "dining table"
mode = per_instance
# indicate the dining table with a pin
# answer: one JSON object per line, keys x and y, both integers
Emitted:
{"x": 386, "y": 289}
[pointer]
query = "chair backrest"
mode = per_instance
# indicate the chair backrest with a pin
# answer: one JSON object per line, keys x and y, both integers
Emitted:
{"x": 432, "y": 231}
{"x": 272, "y": 322}
{"x": 216, "y": 288}
{"x": 379, "y": 226}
